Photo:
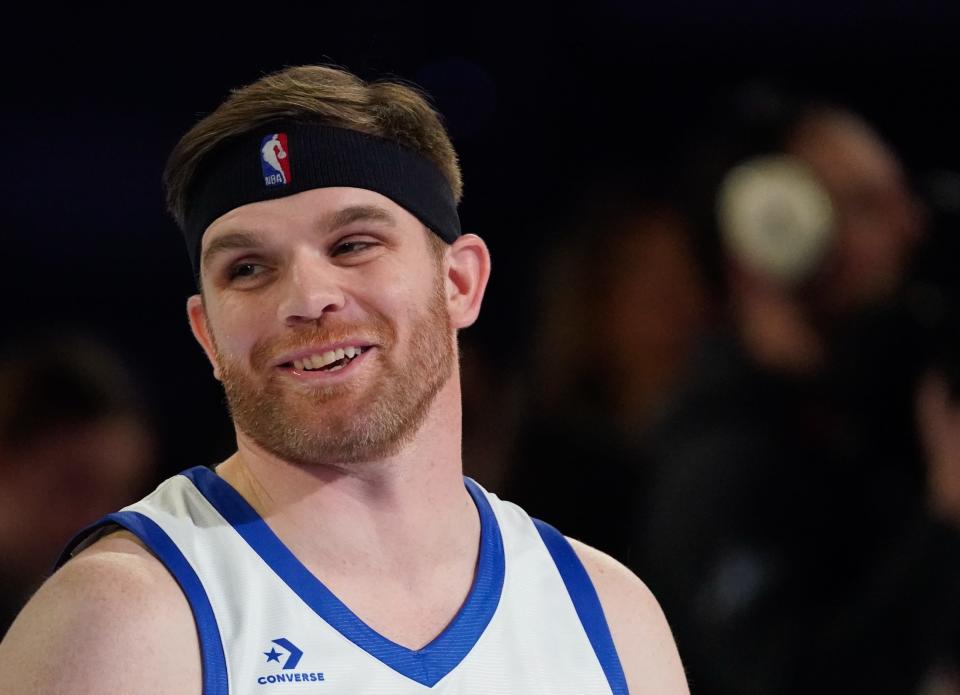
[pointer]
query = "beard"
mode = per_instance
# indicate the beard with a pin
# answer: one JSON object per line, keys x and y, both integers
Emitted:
{"x": 367, "y": 417}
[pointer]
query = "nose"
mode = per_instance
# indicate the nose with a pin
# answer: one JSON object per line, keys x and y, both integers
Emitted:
{"x": 311, "y": 289}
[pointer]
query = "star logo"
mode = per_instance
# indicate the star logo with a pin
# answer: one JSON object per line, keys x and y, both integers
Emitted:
{"x": 293, "y": 653}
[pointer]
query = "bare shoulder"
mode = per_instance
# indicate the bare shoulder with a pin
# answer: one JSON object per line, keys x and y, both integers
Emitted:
{"x": 112, "y": 619}
{"x": 639, "y": 629}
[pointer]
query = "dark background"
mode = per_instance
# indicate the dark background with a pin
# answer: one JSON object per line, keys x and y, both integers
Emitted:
{"x": 547, "y": 107}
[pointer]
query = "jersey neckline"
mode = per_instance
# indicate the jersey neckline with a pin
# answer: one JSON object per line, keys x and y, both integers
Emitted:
{"x": 427, "y": 665}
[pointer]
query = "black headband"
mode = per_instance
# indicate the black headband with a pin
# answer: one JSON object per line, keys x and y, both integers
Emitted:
{"x": 288, "y": 158}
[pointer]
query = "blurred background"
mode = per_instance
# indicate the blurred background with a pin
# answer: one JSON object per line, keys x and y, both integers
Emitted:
{"x": 721, "y": 337}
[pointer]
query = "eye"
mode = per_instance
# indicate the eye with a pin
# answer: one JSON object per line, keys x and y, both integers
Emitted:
{"x": 352, "y": 246}
{"x": 246, "y": 269}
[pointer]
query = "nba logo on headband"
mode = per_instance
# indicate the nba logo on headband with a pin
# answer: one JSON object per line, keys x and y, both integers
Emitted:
{"x": 274, "y": 160}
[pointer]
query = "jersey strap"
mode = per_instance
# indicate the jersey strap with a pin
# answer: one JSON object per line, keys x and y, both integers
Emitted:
{"x": 587, "y": 604}
{"x": 160, "y": 544}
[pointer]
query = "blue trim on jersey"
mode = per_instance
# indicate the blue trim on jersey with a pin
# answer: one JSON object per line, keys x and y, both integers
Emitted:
{"x": 161, "y": 545}
{"x": 587, "y": 603}
{"x": 426, "y": 666}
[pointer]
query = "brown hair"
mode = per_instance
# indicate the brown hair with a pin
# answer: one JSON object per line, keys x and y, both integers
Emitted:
{"x": 318, "y": 94}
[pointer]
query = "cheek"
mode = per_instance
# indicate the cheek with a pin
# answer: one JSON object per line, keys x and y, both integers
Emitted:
{"x": 236, "y": 328}
{"x": 400, "y": 294}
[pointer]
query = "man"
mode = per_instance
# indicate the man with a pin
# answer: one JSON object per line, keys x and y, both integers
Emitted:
{"x": 338, "y": 550}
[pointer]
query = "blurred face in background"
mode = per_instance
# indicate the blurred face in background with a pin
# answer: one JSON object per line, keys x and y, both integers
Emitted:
{"x": 655, "y": 303}
{"x": 879, "y": 224}
{"x": 62, "y": 479}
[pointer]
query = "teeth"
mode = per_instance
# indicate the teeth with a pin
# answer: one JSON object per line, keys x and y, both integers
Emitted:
{"x": 322, "y": 360}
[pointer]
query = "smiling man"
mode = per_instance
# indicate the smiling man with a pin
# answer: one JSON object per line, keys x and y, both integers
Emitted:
{"x": 340, "y": 549}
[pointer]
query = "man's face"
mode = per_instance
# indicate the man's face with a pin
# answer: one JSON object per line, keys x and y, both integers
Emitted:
{"x": 879, "y": 224}
{"x": 292, "y": 288}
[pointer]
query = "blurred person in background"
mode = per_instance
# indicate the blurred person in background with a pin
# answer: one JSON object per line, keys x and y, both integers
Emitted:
{"x": 621, "y": 302}
{"x": 793, "y": 531}
{"x": 493, "y": 400}
{"x": 74, "y": 444}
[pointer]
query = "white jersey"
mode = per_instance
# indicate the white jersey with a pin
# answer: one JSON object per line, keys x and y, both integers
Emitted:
{"x": 531, "y": 624}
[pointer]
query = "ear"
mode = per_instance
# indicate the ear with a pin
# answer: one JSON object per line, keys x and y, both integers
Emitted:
{"x": 197, "y": 315}
{"x": 468, "y": 269}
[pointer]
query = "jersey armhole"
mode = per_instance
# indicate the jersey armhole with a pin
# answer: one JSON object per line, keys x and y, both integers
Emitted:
{"x": 587, "y": 604}
{"x": 162, "y": 546}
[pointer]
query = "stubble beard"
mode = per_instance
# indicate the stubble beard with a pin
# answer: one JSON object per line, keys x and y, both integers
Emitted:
{"x": 363, "y": 419}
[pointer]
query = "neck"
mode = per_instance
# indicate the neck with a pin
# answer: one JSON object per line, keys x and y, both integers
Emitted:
{"x": 776, "y": 331}
{"x": 372, "y": 512}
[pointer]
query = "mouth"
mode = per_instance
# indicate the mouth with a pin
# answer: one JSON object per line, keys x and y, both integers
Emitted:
{"x": 328, "y": 361}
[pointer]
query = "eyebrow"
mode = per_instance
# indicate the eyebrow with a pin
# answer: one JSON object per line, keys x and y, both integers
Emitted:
{"x": 371, "y": 213}
{"x": 335, "y": 220}
{"x": 234, "y": 240}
